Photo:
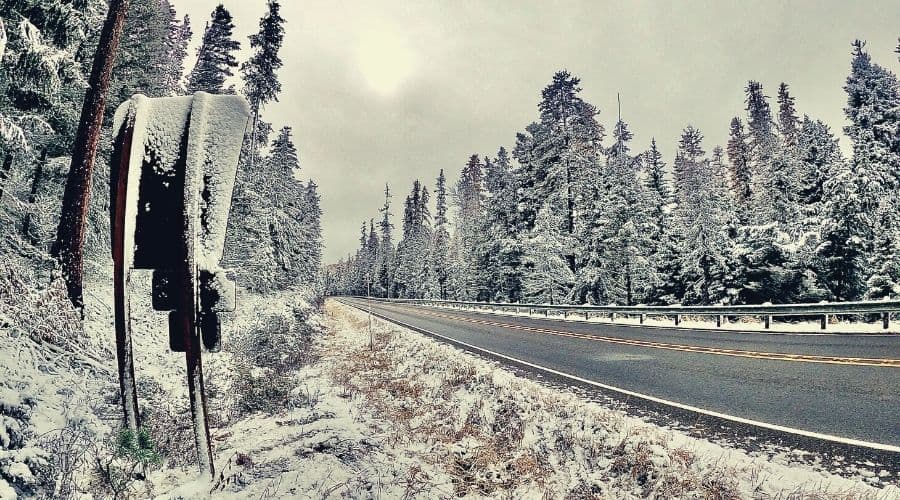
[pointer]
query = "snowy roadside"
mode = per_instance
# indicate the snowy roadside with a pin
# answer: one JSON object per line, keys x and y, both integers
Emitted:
{"x": 416, "y": 418}
{"x": 301, "y": 409}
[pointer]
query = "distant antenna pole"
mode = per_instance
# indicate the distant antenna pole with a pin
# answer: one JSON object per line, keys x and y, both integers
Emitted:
{"x": 619, "y": 100}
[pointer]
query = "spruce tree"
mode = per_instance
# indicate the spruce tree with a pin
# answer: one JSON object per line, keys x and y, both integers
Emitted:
{"x": 559, "y": 155}
{"x": 440, "y": 255}
{"x": 261, "y": 84}
{"x": 469, "y": 201}
{"x": 385, "y": 263}
{"x": 704, "y": 213}
{"x": 549, "y": 278}
{"x": 215, "y": 58}
{"x": 873, "y": 109}
{"x": 739, "y": 167}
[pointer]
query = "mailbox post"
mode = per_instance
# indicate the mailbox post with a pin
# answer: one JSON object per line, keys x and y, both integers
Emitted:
{"x": 172, "y": 176}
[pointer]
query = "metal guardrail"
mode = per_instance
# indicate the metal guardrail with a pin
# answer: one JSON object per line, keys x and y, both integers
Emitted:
{"x": 824, "y": 310}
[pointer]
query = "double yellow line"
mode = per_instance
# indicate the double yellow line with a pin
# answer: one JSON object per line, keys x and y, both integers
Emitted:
{"x": 805, "y": 358}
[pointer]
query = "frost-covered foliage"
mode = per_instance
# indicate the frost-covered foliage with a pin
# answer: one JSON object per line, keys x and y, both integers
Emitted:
{"x": 21, "y": 466}
{"x": 267, "y": 354}
{"x": 42, "y": 314}
{"x": 777, "y": 215}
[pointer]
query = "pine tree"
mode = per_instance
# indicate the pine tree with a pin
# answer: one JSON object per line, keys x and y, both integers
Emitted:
{"x": 873, "y": 109}
{"x": 214, "y": 57}
{"x": 385, "y": 264}
{"x": 787, "y": 115}
{"x": 179, "y": 37}
{"x": 261, "y": 84}
{"x": 549, "y": 278}
{"x": 469, "y": 201}
{"x": 704, "y": 213}
{"x": 664, "y": 260}
{"x": 739, "y": 162}
{"x": 500, "y": 252}
{"x": 559, "y": 155}
{"x": 625, "y": 268}
{"x": 440, "y": 255}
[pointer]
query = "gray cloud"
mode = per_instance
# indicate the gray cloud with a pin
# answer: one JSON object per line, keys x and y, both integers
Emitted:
{"x": 476, "y": 70}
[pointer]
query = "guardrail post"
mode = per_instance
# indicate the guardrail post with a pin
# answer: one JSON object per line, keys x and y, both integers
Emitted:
{"x": 612, "y": 317}
{"x": 587, "y": 315}
{"x": 768, "y": 321}
{"x": 565, "y": 313}
{"x": 546, "y": 313}
{"x": 718, "y": 321}
{"x": 885, "y": 320}
{"x": 677, "y": 319}
{"x": 643, "y": 317}
{"x": 824, "y": 323}
{"x": 530, "y": 311}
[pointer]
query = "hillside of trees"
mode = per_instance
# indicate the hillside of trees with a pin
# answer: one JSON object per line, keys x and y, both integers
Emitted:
{"x": 576, "y": 213}
{"x": 46, "y": 48}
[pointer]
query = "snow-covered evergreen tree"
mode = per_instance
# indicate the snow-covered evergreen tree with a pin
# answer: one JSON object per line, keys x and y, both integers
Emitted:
{"x": 873, "y": 109}
{"x": 385, "y": 259}
{"x": 500, "y": 252}
{"x": 549, "y": 278}
{"x": 559, "y": 156}
{"x": 664, "y": 234}
{"x": 215, "y": 58}
{"x": 705, "y": 214}
{"x": 468, "y": 197}
{"x": 440, "y": 254}
{"x": 261, "y": 84}
{"x": 738, "y": 150}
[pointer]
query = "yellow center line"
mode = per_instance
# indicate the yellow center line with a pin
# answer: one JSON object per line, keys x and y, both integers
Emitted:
{"x": 805, "y": 358}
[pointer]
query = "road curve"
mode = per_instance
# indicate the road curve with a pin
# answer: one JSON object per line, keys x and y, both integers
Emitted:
{"x": 838, "y": 385}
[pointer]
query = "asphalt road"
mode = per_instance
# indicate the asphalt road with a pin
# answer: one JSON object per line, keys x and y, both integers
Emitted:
{"x": 841, "y": 385}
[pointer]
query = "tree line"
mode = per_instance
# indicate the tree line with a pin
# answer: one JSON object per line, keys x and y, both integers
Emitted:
{"x": 46, "y": 47}
{"x": 571, "y": 215}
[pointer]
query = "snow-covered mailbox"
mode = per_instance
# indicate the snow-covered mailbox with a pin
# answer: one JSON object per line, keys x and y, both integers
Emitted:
{"x": 172, "y": 175}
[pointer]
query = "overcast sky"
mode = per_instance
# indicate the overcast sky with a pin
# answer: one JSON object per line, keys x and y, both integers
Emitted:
{"x": 394, "y": 91}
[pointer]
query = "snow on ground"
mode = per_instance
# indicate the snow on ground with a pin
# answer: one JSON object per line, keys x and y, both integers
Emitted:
{"x": 302, "y": 407}
{"x": 416, "y": 418}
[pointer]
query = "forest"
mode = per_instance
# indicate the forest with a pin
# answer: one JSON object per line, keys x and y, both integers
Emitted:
{"x": 46, "y": 48}
{"x": 571, "y": 215}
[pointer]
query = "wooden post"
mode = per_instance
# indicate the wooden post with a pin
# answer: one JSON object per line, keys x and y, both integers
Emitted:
{"x": 565, "y": 313}
{"x": 643, "y": 317}
{"x": 885, "y": 320}
{"x": 546, "y": 313}
{"x": 768, "y": 321}
{"x": 718, "y": 321}
{"x": 677, "y": 319}
{"x": 612, "y": 317}
{"x": 824, "y": 323}
{"x": 587, "y": 315}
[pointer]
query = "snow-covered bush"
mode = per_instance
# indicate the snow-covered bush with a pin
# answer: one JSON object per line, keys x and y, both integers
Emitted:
{"x": 22, "y": 468}
{"x": 266, "y": 356}
{"x": 43, "y": 314}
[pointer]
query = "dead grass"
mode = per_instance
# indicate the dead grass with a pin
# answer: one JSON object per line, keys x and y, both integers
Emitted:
{"x": 475, "y": 427}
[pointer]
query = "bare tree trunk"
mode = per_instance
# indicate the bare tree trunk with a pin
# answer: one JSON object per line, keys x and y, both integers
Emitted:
{"x": 4, "y": 171}
{"x": 32, "y": 196}
{"x": 69, "y": 246}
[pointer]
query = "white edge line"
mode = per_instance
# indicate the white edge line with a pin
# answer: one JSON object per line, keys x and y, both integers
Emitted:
{"x": 741, "y": 420}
